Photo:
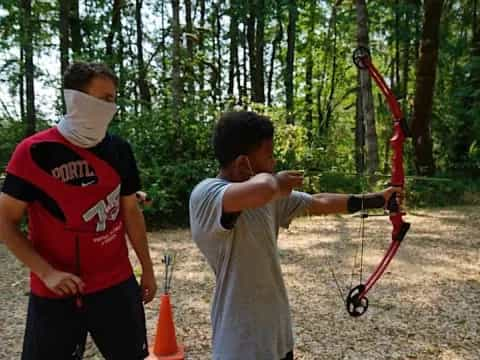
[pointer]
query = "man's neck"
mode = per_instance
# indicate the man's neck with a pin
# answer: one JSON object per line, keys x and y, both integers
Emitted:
{"x": 229, "y": 174}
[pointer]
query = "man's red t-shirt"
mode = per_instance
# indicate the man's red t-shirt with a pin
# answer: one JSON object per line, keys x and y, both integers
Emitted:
{"x": 91, "y": 241}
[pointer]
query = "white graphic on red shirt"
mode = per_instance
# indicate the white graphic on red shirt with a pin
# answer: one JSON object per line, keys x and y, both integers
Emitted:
{"x": 105, "y": 210}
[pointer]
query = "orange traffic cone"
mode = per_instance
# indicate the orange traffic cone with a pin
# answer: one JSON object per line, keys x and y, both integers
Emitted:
{"x": 165, "y": 346}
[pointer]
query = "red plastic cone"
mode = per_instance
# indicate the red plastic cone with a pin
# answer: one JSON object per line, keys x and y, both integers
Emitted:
{"x": 165, "y": 346}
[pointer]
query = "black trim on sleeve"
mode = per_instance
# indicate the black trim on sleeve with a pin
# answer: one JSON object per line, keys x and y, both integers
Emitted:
{"x": 23, "y": 190}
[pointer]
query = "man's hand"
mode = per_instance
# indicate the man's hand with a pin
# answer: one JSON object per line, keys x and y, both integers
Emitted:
{"x": 388, "y": 192}
{"x": 288, "y": 180}
{"x": 143, "y": 199}
{"x": 148, "y": 285}
{"x": 63, "y": 283}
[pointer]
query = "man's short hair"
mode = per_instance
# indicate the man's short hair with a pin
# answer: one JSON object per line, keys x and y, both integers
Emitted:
{"x": 79, "y": 74}
{"x": 239, "y": 133}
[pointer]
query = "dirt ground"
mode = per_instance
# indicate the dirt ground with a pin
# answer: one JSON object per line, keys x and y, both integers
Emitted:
{"x": 427, "y": 305}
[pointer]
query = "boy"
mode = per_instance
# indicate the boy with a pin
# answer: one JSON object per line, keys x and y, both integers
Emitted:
{"x": 79, "y": 186}
{"x": 235, "y": 220}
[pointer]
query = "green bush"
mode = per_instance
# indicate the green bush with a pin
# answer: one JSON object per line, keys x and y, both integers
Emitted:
{"x": 170, "y": 186}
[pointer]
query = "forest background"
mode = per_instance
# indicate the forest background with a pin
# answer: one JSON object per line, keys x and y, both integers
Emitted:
{"x": 182, "y": 63}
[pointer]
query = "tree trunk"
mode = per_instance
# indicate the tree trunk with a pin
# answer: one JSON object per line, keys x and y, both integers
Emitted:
{"x": 291, "y": 34}
{"x": 366, "y": 89}
{"x": 191, "y": 60}
{"x": 27, "y": 44}
{"x": 251, "y": 47}
{"x": 471, "y": 102}
{"x": 122, "y": 76}
{"x": 64, "y": 43}
{"x": 177, "y": 87}
{"x": 259, "y": 84}
{"x": 75, "y": 29}
{"x": 144, "y": 89}
{"x": 201, "y": 47}
{"x": 164, "y": 54}
{"x": 309, "y": 70}
{"x": 114, "y": 28}
{"x": 238, "y": 70}
{"x": 215, "y": 62}
{"x": 232, "y": 66}
{"x": 425, "y": 84}
{"x": 333, "y": 50}
{"x": 397, "y": 44}
{"x": 359, "y": 133}
{"x": 276, "y": 43}
{"x": 323, "y": 76}
{"x": 218, "y": 33}
{"x": 475, "y": 19}
{"x": 21, "y": 84}
{"x": 409, "y": 17}
{"x": 244, "y": 62}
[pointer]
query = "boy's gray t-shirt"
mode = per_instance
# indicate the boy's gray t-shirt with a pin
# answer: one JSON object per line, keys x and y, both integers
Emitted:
{"x": 250, "y": 312}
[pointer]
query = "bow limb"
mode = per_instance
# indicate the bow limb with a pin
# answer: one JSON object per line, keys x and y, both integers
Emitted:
{"x": 356, "y": 301}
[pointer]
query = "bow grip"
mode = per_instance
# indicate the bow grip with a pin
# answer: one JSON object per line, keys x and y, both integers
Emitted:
{"x": 392, "y": 204}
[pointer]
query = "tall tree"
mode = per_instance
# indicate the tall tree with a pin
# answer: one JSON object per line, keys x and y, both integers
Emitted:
{"x": 64, "y": 41}
{"x": 27, "y": 45}
{"x": 309, "y": 68}
{"x": 233, "y": 61}
{"x": 276, "y": 42}
{"x": 333, "y": 73}
{"x": 289, "y": 69}
{"x": 425, "y": 83}
{"x": 365, "y": 92}
{"x": 75, "y": 28}
{"x": 251, "y": 19}
{"x": 359, "y": 134}
{"x": 201, "y": 47}
{"x": 259, "y": 84}
{"x": 21, "y": 85}
{"x": 216, "y": 61}
{"x": 466, "y": 135}
{"x": 144, "y": 89}
{"x": 115, "y": 28}
{"x": 327, "y": 50}
{"x": 190, "y": 49}
{"x": 177, "y": 86}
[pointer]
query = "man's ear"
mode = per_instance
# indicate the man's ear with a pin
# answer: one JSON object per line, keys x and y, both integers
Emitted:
{"x": 243, "y": 166}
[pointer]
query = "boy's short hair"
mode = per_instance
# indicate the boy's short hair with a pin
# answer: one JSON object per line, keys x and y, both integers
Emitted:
{"x": 79, "y": 74}
{"x": 238, "y": 133}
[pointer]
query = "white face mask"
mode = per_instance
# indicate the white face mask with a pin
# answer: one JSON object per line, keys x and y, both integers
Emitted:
{"x": 86, "y": 121}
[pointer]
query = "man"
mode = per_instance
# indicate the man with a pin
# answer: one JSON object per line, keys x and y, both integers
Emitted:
{"x": 79, "y": 186}
{"x": 235, "y": 220}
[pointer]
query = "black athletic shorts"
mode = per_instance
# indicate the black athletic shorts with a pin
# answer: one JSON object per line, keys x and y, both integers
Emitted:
{"x": 57, "y": 329}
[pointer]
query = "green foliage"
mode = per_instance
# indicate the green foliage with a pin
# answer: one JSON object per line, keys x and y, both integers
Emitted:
{"x": 11, "y": 132}
{"x": 174, "y": 151}
{"x": 170, "y": 187}
{"x": 173, "y": 156}
{"x": 443, "y": 192}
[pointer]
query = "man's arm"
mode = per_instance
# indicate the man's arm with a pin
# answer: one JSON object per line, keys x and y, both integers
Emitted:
{"x": 11, "y": 213}
{"x": 259, "y": 190}
{"x": 136, "y": 231}
{"x": 327, "y": 203}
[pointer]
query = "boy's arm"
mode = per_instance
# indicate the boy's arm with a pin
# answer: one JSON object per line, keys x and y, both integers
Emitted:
{"x": 11, "y": 213}
{"x": 259, "y": 190}
{"x": 327, "y": 203}
{"x": 136, "y": 231}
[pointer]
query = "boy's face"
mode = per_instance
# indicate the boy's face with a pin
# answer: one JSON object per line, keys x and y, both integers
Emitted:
{"x": 102, "y": 88}
{"x": 261, "y": 159}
